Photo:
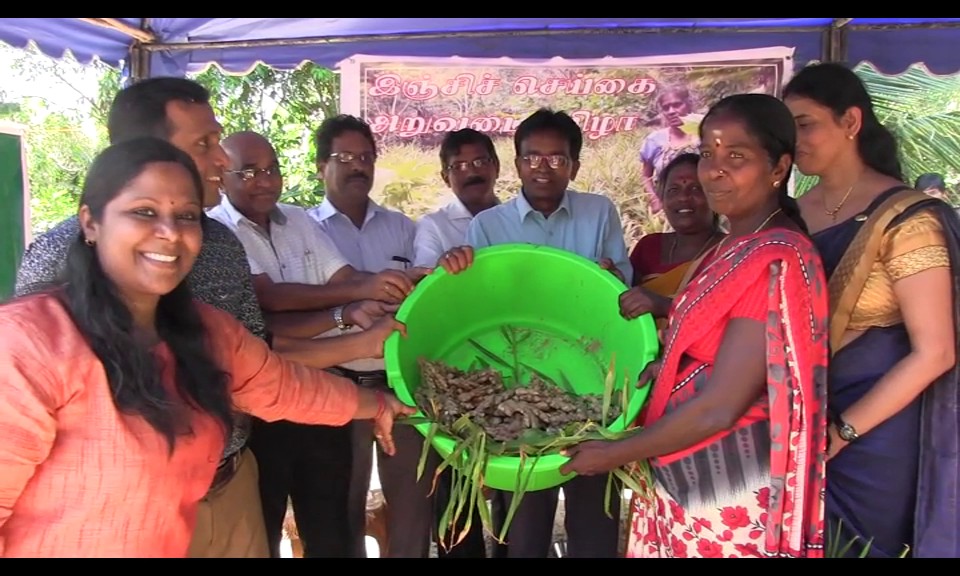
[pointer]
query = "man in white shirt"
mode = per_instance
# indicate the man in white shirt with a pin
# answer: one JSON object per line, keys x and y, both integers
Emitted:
{"x": 372, "y": 238}
{"x": 296, "y": 267}
{"x": 470, "y": 167}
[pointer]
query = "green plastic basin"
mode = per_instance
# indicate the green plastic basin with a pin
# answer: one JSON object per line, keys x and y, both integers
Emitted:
{"x": 567, "y": 306}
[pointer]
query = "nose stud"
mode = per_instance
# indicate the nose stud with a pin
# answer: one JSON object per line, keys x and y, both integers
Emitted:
{"x": 721, "y": 172}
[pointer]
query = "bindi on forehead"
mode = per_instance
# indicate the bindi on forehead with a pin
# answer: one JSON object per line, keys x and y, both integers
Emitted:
{"x": 718, "y": 140}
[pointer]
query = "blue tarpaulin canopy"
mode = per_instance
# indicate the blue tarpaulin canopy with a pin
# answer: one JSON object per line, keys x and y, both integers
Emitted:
{"x": 173, "y": 46}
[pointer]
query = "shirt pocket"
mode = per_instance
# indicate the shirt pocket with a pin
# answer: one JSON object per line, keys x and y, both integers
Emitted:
{"x": 312, "y": 271}
{"x": 399, "y": 263}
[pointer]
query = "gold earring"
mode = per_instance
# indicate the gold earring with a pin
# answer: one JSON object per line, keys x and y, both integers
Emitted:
{"x": 89, "y": 242}
{"x": 849, "y": 136}
{"x": 776, "y": 183}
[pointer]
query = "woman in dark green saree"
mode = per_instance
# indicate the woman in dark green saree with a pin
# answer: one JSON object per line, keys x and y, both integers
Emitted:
{"x": 892, "y": 256}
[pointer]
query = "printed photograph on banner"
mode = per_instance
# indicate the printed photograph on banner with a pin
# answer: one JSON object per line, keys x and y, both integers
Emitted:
{"x": 636, "y": 115}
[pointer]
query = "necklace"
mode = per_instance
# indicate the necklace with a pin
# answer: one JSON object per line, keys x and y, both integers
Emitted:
{"x": 702, "y": 249}
{"x": 833, "y": 213}
{"x": 757, "y": 229}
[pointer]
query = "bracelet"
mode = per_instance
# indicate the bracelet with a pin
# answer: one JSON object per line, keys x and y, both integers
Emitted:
{"x": 381, "y": 404}
{"x": 338, "y": 318}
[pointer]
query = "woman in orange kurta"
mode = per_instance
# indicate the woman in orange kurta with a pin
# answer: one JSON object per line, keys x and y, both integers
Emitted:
{"x": 117, "y": 389}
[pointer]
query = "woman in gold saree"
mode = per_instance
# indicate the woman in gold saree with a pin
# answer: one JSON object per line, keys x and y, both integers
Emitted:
{"x": 660, "y": 260}
{"x": 892, "y": 256}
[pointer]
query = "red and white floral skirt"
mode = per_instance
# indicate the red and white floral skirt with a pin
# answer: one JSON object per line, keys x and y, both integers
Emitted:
{"x": 662, "y": 528}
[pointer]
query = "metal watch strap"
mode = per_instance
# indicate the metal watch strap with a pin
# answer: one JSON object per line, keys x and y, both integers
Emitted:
{"x": 338, "y": 318}
{"x": 846, "y": 432}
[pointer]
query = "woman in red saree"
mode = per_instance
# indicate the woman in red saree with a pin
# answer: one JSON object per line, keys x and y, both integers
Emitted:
{"x": 735, "y": 429}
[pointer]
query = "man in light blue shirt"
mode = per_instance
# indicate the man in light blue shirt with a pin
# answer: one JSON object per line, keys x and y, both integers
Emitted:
{"x": 546, "y": 212}
{"x": 585, "y": 224}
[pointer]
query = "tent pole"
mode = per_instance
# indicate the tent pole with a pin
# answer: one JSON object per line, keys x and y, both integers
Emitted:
{"x": 139, "y": 56}
{"x": 836, "y": 50}
{"x": 139, "y": 63}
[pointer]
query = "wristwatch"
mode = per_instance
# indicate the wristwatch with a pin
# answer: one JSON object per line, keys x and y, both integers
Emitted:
{"x": 338, "y": 318}
{"x": 846, "y": 432}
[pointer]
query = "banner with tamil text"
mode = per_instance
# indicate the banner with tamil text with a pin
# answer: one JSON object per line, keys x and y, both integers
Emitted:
{"x": 636, "y": 114}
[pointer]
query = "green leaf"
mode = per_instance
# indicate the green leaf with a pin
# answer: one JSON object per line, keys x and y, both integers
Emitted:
{"x": 608, "y": 385}
{"x": 565, "y": 384}
{"x": 414, "y": 420}
{"x": 490, "y": 355}
{"x": 427, "y": 448}
{"x": 625, "y": 398}
{"x": 540, "y": 374}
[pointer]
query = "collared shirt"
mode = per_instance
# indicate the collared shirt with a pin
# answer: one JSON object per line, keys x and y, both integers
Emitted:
{"x": 440, "y": 231}
{"x": 384, "y": 241}
{"x": 383, "y": 236}
{"x": 293, "y": 250}
{"x": 220, "y": 277}
{"x": 585, "y": 224}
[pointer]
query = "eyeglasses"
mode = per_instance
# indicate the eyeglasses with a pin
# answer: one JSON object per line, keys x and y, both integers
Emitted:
{"x": 248, "y": 174}
{"x": 348, "y": 157}
{"x": 465, "y": 165}
{"x": 554, "y": 161}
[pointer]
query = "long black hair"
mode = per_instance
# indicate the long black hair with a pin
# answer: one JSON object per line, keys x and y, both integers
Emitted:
{"x": 769, "y": 121}
{"x": 91, "y": 298}
{"x": 838, "y": 88}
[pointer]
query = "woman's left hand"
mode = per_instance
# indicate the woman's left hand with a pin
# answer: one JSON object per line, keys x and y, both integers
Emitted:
{"x": 834, "y": 442}
{"x": 589, "y": 458}
{"x": 608, "y": 265}
{"x": 383, "y": 422}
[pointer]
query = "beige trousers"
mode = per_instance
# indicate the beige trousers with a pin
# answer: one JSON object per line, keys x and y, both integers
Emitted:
{"x": 230, "y": 520}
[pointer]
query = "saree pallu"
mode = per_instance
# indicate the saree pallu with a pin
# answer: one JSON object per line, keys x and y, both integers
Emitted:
{"x": 650, "y": 273}
{"x": 646, "y": 258}
{"x": 755, "y": 489}
{"x": 896, "y": 487}
{"x": 667, "y": 283}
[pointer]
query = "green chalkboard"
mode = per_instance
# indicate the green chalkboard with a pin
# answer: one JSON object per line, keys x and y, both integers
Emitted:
{"x": 11, "y": 211}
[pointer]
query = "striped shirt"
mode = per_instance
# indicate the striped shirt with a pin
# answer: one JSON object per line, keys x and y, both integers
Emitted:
{"x": 294, "y": 249}
{"x": 384, "y": 241}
